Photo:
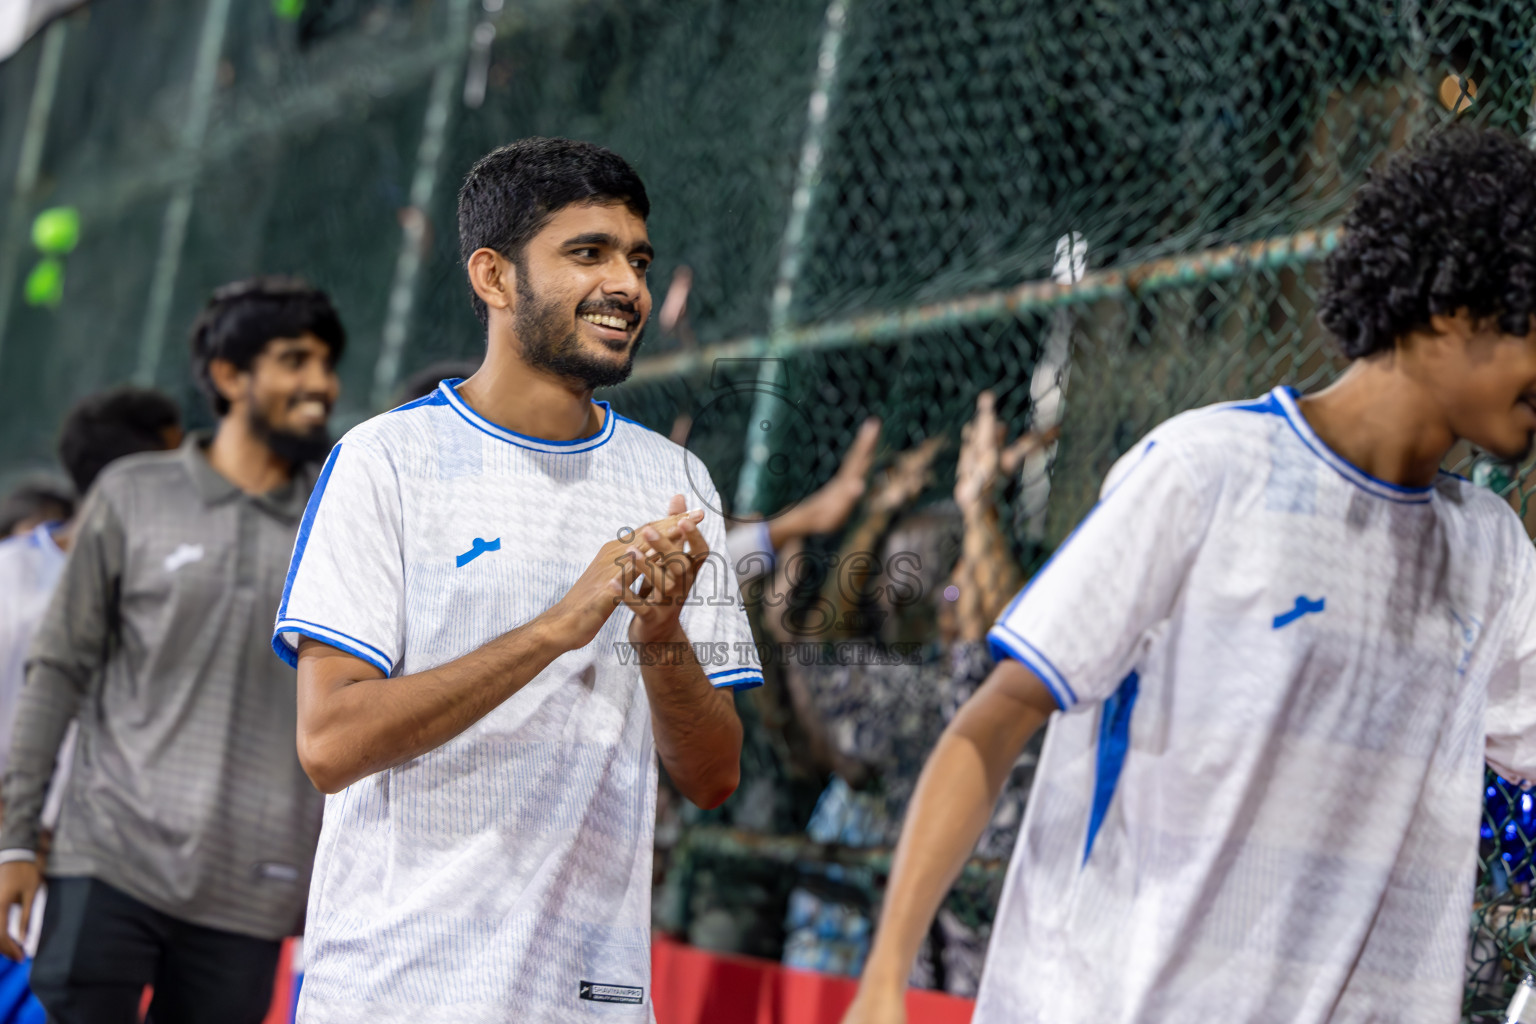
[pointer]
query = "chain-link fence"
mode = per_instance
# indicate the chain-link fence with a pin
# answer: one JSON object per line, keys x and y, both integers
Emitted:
{"x": 1106, "y": 211}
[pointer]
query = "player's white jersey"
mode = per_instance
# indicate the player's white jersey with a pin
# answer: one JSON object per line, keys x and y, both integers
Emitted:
{"x": 507, "y": 874}
{"x": 1280, "y": 678}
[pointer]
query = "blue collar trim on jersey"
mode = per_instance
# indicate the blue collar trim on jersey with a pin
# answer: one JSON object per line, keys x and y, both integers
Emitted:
{"x": 448, "y": 389}
{"x": 1348, "y": 470}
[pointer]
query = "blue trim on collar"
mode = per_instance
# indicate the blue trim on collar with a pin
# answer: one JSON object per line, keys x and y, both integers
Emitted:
{"x": 1268, "y": 405}
{"x": 1349, "y": 471}
{"x": 41, "y": 536}
{"x": 538, "y": 444}
{"x": 433, "y": 397}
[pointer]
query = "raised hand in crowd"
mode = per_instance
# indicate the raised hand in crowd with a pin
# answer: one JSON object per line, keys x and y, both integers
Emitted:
{"x": 829, "y": 507}
{"x": 986, "y": 574}
{"x": 984, "y": 457}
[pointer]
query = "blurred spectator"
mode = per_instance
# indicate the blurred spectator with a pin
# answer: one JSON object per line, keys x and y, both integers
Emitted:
{"x": 99, "y": 429}
{"x": 183, "y": 850}
{"x": 742, "y": 903}
{"x": 875, "y": 700}
{"x": 102, "y": 428}
{"x": 32, "y": 503}
{"x": 425, "y": 380}
{"x": 753, "y": 545}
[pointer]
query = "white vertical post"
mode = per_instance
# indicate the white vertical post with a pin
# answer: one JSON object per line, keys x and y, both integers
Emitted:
{"x": 429, "y": 159}
{"x": 178, "y": 210}
{"x": 807, "y": 180}
{"x": 1047, "y": 387}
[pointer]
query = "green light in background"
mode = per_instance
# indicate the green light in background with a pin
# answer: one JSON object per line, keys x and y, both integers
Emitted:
{"x": 56, "y": 231}
{"x": 288, "y": 10}
{"x": 45, "y": 284}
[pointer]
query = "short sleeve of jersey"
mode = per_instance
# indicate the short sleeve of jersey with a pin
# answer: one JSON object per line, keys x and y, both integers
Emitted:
{"x": 715, "y": 619}
{"x": 1511, "y": 717}
{"x": 1079, "y": 623}
{"x": 346, "y": 582}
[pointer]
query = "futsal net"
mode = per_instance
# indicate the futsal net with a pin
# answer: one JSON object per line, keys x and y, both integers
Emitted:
{"x": 1107, "y": 212}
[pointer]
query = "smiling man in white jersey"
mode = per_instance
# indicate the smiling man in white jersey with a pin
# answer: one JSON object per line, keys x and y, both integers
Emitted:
{"x": 486, "y": 607}
{"x": 1278, "y": 652}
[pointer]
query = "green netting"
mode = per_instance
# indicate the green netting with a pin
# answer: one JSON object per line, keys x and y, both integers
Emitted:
{"x": 880, "y": 202}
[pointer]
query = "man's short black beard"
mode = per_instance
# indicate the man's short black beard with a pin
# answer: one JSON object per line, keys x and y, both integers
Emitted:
{"x": 549, "y": 345}
{"x": 295, "y": 449}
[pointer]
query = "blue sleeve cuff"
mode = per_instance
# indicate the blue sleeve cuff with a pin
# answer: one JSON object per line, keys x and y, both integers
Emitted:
{"x": 736, "y": 678}
{"x": 330, "y": 637}
{"x": 1005, "y": 643}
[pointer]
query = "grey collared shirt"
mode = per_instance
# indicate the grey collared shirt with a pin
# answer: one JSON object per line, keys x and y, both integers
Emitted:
{"x": 185, "y": 789}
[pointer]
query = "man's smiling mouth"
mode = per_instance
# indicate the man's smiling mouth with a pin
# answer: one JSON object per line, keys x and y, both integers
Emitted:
{"x": 609, "y": 320}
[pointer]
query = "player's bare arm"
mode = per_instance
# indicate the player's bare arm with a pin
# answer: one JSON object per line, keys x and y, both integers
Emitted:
{"x": 950, "y": 807}
{"x": 354, "y": 722}
{"x": 698, "y": 736}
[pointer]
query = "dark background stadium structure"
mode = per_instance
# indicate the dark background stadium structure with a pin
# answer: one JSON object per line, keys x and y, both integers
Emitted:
{"x": 1107, "y": 210}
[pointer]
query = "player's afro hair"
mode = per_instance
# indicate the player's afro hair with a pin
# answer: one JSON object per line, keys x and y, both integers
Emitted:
{"x": 1449, "y": 224}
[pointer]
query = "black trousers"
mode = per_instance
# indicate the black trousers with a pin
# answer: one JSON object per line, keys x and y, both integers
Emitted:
{"x": 100, "y": 947}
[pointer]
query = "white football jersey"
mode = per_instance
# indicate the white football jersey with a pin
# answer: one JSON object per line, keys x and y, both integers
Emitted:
{"x": 1280, "y": 678}
{"x": 505, "y": 875}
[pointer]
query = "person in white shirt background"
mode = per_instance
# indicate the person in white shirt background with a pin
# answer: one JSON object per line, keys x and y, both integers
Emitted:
{"x": 1275, "y": 657}
{"x": 34, "y": 502}
{"x": 97, "y": 430}
{"x": 486, "y": 609}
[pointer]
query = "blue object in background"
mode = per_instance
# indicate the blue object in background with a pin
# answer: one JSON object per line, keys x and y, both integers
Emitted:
{"x": 1508, "y": 833}
{"x": 17, "y": 1003}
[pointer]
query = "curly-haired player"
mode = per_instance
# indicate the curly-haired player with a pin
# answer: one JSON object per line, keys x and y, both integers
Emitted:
{"x": 1282, "y": 647}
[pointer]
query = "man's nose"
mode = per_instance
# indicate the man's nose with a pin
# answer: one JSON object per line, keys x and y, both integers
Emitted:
{"x": 624, "y": 281}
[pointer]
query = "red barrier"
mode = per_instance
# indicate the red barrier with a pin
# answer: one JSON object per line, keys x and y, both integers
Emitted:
{"x": 691, "y": 986}
{"x": 281, "y": 1011}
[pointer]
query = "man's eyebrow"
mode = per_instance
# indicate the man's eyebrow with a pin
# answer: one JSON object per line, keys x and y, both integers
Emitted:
{"x": 592, "y": 238}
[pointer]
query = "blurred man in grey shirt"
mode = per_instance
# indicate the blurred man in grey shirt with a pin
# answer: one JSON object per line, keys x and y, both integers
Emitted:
{"x": 184, "y": 845}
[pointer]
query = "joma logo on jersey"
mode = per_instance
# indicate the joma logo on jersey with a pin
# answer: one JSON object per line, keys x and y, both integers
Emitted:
{"x": 1304, "y": 606}
{"x": 478, "y": 548}
{"x": 1470, "y": 628}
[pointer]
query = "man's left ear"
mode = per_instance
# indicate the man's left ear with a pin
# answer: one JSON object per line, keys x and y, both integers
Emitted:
{"x": 492, "y": 277}
{"x": 228, "y": 379}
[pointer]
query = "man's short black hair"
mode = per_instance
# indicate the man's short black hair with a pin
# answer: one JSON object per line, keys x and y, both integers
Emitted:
{"x": 242, "y": 318}
{"x": 38, "y": 499}
{"x": 104, "y": 427}
{"x": 1449, "y": 224}
{"x": 512, "y": 192}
